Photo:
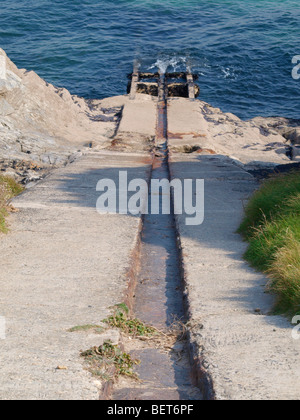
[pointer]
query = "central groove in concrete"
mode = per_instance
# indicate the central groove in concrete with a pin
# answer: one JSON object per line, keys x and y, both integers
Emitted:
{"x": 165, "y": 375}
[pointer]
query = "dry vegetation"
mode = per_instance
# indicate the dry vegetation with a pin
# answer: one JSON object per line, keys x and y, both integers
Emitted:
{"x": 9, "y": 188}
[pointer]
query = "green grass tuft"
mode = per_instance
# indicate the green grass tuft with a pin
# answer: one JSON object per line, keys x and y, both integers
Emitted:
{"x": 269, "y": 202}
{"x": 272, "y": 227}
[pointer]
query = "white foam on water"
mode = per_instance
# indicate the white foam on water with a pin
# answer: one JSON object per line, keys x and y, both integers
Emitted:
{"x": 176, "y": 63}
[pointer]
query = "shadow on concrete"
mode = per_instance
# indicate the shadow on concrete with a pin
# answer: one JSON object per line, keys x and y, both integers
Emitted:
{"x": 216, "y": 233}
{"x": 160, "y": 301}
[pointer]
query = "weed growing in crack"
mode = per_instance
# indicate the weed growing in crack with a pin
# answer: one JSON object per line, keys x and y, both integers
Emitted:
{"x": 97, "y": 329}
{"x": 109, "y": 362}
{"x": 129, "y": 326}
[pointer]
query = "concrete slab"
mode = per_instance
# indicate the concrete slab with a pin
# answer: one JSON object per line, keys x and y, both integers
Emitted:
{"x": 185, "y": 116}
{"x": 139, "y": 116}
{"x": 62, "y": 265}
{"x": 249, "y": 354}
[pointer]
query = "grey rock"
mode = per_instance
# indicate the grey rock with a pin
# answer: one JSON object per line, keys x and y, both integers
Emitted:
{"x": 293, "y": 135}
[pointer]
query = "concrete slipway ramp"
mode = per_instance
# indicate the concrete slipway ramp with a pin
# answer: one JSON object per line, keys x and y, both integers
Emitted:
{"x": 63, "y": 264}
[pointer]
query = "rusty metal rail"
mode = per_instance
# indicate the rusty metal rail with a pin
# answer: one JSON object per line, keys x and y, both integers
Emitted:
{"x": 135, "y": 77}
{"x": 177, "y": 84}
{"x": 162, "y": 118}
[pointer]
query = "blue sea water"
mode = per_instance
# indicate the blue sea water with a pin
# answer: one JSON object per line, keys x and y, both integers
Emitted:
{"x": 242, "y": 49}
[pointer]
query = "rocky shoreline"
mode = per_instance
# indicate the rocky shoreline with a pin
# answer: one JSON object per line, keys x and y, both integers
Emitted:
{"x": 44, "y": 127}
